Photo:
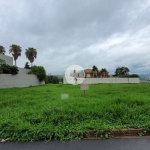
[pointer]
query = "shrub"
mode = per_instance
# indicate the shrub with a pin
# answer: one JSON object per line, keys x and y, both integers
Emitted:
{"x": 131, "y": 76}
{"x": 128, "y": 76}
{"x": 52, "y": 79}
{"x": 1, "y": 63}
{"x": 14, "y": 70}
{"x": 39, "y": 71}
{"x": 7, "y": 69}
{"x": 27, "y": 66}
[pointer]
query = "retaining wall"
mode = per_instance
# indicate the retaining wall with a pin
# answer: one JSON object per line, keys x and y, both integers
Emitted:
{"x": 23, "y": 70}
{"x": 19, "y": 80}
{"x": 107, "y": 80}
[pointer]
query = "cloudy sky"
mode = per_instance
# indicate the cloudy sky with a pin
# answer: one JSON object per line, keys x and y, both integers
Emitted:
{"x": 105, "y": 33}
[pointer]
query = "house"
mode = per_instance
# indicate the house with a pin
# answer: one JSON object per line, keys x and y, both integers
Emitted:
{"x": 89, "y": 73}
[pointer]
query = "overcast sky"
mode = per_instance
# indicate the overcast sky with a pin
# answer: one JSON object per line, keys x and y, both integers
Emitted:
{"x": 105, "y": 33}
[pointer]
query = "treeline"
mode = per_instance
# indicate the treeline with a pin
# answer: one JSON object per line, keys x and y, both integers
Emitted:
{"x": 53, "y": 79}
{"x": 124, "y": 73}
{"x": 119, "y": 72}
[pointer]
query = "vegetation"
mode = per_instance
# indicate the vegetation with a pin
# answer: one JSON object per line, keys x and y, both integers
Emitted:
{"x": 39, "y": 71}
{"x": 131, "y": 76}
{"x": 52, "y": 79}
{"x": 2, "y": 50}
{"x": 31, "y": 54}
{"x": 38, "y": 113}
{"x": 7, "y": 69}
{"x": 16, "y": 51}
{"x": 121, "y": 71}
{"x": 104, "y": 72}
{"x": 27, "y": 66}
{"x": 1, "y": 64}
{"x": 124, "y": 72}
{"x": 95, "y": 68}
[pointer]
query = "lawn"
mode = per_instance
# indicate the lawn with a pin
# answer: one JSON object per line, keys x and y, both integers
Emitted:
{"x": 39, "y": 113}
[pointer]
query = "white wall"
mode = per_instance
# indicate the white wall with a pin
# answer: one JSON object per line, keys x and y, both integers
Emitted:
{"x": 22, "y": 79}
{"x": 19, "y": 80}
{"x": 23, "y": 70}
{"x": 8, "y": 59}
{"x": 107, "y": 80}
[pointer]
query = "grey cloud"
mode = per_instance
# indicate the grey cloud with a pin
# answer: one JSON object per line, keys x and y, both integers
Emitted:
{"x": 63, "y": 31}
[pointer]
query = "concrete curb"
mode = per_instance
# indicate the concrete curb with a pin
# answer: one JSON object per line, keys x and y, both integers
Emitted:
{"x": 118, "y": 133}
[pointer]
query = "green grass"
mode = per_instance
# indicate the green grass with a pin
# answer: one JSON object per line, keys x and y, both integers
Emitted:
{"x": 38, "y": 113}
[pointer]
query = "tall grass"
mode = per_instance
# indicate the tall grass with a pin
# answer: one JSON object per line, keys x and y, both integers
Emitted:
{"x": 39, "y": 113}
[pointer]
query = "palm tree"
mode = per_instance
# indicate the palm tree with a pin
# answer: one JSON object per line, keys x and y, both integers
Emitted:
{"x": 31, "y": 53}
{"x": 2, "y": 50}
{"x": 16, "y": 51}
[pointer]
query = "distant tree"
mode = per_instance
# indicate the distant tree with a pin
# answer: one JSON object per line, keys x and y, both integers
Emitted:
{"x": 16, "y": 51}
{"x": 104, "y": 72}
{"x": 95, "y": 71}
{"x": 31, "y": 54}
{"x": 61, "y": 80}
{"x": 121, "y": 71}
{"x": 52, "y": 79}
{"x": 95, "y": 68}
{"x": 2, "y": 50}
{"x": 27, "y": 65}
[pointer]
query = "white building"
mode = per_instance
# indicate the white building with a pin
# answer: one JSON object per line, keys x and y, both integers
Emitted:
{"x": 22, "y": 79}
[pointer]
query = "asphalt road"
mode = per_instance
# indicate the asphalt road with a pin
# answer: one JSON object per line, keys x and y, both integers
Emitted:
{"x": 110, "y": 144}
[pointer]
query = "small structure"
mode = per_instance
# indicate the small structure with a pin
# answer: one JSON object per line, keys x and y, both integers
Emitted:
{"x": 89, "y": 73}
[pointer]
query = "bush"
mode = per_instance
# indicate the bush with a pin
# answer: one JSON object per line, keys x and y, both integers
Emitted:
{"x": 27, "y": 66}
{"x": 52, "y": 79}
{"x": 128, "y": 76}
{"x": 1, "y": 63}
{"x": 39, "y": 71}
{"x": 7, "y": 69}
{"x": 131, "y": 76}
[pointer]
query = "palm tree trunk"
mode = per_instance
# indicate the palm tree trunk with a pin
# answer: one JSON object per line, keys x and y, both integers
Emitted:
{"x": 15, "y": 62}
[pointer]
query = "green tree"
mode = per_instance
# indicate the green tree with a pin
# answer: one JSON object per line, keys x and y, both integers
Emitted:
{"x": 95, "y": 71}
{"x": 2, "y": 50}
{"x": 104, "y": 72}
{"x": 16, "y": 51}
{"x": 95, "y": 68}
{"x": 39, "y": 71}
{"x": 121, "y": 71}
{"x": 52, "y": 79}
{"x": 31, "y": 54}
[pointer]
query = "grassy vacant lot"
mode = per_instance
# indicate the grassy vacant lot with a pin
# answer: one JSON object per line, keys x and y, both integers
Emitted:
{"x": 37, "y": 113}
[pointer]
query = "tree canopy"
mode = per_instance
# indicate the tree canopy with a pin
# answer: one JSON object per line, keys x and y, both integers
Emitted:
{"x": 39, "y": 71}
{"x": 95, "y": 68}
{"x": 2, "y": 50}
{"x": 16, "y": 51}
{"x": 104, "y": 72}
{"x": 121, "y": 71}
{"x": 31, "y": 54}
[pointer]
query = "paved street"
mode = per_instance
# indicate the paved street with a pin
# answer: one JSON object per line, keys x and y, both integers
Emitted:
{"x": 110, "y": 144}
